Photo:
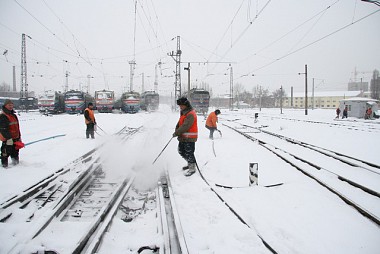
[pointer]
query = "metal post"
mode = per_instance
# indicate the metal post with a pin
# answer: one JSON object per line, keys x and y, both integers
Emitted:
{"x": 306, "y": 106}
{"x": 24, "y": 82}
{"x": 305, "y": 87}
{"x": 142, "y": 83}
{"x": 177, "y": 59}
{"x": 313, "y": 96}
{"x": 291, "y": 97}
{"x": 67, "y": 82}
{"x": 231, "y": 89}
{"x": 88, "y": 83}
{"x": 281, "y": 98}
{"x": 14, "y": 79}
{"x": 260, "y": 97}
{"x": 188, "y": 76}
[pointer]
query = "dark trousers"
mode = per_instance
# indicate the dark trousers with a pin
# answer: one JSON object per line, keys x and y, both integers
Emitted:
{"x": 7, "y": 151}
{"x": 212, "y": 129}
{"x": 90, "y": 130}
{"x": 186, "y": 150}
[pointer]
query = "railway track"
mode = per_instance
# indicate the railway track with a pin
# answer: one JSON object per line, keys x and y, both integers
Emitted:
{"x": 344, "y": 176}
{"x": 368, "y": 126}
{"x": 85, "y": 214}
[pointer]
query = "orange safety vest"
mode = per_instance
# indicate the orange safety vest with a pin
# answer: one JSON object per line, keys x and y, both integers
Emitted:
{"x": 14, "y": 128}
{"x": 91, "y": 115}
{"x": 212, "y": 119}
{"x": 193, "y": 131}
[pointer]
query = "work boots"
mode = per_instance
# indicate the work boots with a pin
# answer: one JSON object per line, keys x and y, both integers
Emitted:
{"x": 191, "y": 169}
{"x": 15, "y": 161}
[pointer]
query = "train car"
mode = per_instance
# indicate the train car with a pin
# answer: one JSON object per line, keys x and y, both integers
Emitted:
{"x": 28, "y": 103}
{"x": 104, "y": 101}
{"x": 51, "y": 102}
{"x": 199, "y": 99}
{"x": 130, "y": 102}
{"x": 76, "y": 101}
{"x": 149, "y": 100}
{"x": 16, "y": 102}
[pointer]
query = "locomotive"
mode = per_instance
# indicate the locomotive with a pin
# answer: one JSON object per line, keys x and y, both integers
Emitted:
{"x": 76, "y": 101}
{"x": 104, "y": 101}
{"x": 51, "y": 102}
{"x": 149, "y": 100}
{"x": 199, "y": 99}
{"x": 130, "y": 102}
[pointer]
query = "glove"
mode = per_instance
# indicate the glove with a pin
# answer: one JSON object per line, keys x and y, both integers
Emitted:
{"x": 174, "y": 135}
{"x": 10, "y": 142}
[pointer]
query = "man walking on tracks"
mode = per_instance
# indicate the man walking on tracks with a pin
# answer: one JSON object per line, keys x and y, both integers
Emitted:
{"x": 10, "y": 134}
{"x": 211, "y": 121}
{"x": 186, "y": 132}
{"x": 90, "y": 121}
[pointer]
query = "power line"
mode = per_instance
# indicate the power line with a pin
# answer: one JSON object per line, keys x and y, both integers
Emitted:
{"x": 291, "y": 31}
{"x": 307, "y": 45}
{"x": 232, "y": 21}
{"x": 48, "y": 29}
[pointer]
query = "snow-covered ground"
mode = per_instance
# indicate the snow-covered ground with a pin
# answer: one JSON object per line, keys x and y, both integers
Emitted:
{"x": 299, "y": 216}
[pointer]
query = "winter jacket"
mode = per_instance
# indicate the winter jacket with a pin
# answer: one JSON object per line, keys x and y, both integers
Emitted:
{"x": 187, "y": 127}
{"x": 212, "y": 119}
{"x": 89, "y": 116}
{"x": 9, "y": 125}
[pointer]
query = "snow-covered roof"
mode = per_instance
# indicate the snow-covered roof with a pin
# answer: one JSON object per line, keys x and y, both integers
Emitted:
{"x": 328, "y": 94}
{"x": 361, "y": 99}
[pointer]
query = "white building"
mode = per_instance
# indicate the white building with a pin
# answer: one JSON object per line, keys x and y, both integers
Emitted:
{"x": 328, "y": 99}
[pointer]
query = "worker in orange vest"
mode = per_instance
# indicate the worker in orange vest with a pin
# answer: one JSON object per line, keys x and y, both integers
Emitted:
{"x": 89, "y": 119}
{"x": 186, "y": 132}
{"x": 10, "y": 134}
{"x": 211, "y": 121}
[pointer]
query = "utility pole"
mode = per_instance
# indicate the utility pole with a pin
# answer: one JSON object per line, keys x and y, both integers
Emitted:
{"x": 131, "y": 74}
{"x": 67, "y": 82}
{"x": 24, "y": 82}
{"x": 133, "y": 62}
{"x": 281, "y": 99}
{"x": 312, "y": 96}
{"x": 88, "y": 83}
{"x": 291, "y": 97}
{"x": 305, "y": 87}
{"x": 14, "y": 79}
{"x": 188, "y": 76}
{"x": 142, "y": 83}
{"x": 156, "y": 77}
{"x": 260, "y": 97}
{"x": 231, "y": 89}
{"x": 177, "y": 58}
{"x": 306, "y": 106}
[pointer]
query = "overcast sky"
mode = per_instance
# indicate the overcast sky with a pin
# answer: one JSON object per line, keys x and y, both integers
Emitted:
{"x": 267, "y": 43}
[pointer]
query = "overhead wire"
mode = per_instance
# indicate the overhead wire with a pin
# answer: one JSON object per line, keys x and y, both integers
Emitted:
{"x": 48, "y": 29}
{"x": 67, "y": 28}
{"x": 291, "y": 31}
{"x": 244, "y": 31}
{"x": 57, "y": 37}
{"x": 228, "y": 28}
{"x": 313, "y": 42}
{"x": 307, "y": 32}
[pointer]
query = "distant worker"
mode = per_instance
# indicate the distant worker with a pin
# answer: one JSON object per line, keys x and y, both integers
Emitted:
{"x": 90, "y": 121}
{"x": 10, "y": 134}
{"x": 337, "y": 112}
{"x": 345, "y": 112}
{"x": 368, "y": 113}
{"x": 186, "y": 132}
{"x": 211, "y": 121}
